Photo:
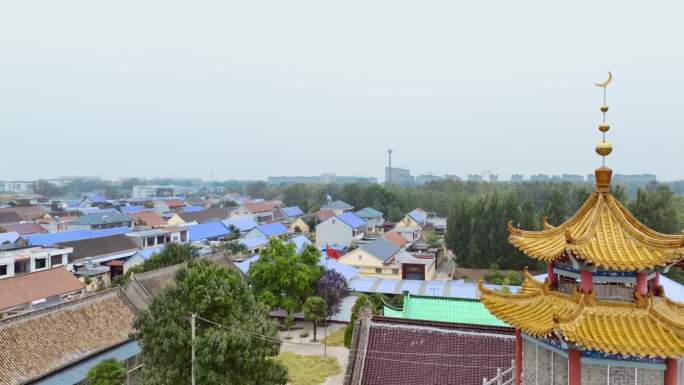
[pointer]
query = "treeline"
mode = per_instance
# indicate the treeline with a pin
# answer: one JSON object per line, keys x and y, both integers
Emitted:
{"x": 478, "y": 213}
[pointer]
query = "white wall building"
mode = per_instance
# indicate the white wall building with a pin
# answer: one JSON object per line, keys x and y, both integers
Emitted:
{"x": 27, "y": 260}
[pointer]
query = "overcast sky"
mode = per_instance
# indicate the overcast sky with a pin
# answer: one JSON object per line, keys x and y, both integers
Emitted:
{"x": 250, "y": 89}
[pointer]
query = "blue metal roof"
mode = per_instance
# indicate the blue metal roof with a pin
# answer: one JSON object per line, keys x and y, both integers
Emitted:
{"x": 207, "y": 230}
{"x": 131, "y": 209}
{"x": 147, "y": 252}
{"x": 418, "y": 216}
{"x": 49, "y": 239}
{"x": 77, "y": 373}
{"x": 251, "y": 243}
{"x": 73, "y": 202}
{"x": 192, "y": 209}
{"x": 9, "y": 237}
{"x": 351, "y": 219}
{"x": 292, "y": 211}
{"x": 450, "y": 288}
{"x": 242, "y": 224}
{"x": 97, "y": 199}
{"x": 300, "y": 242}
{"x": 369, "y": 212}
{"x": 97, "y": 210}
{"x": 271, "y": 229}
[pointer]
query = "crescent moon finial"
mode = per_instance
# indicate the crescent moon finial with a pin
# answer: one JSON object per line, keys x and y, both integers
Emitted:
{"x": 605, "y": 83}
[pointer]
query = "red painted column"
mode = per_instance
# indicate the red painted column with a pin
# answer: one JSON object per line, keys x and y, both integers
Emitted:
{"x": 550, "y": 274}
{"x": 642, "y": 283}
{"x": 574, "y": 367}
{"x": 671, "y": 371}
{"x": 586, "y": 281}
{"x": 518, "y": 357}
{"x": 656, "y": 280}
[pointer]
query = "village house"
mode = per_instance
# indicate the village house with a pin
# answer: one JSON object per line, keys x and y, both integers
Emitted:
{"x": 159, "y": 236}
{"x": 269, "y": 230}
{"x": 99, "y": 250}
{"x": 373, "y": 218}
{"x": 340, "y": 230}
{"x": 59, "y": 343}
{"x": 167, "y": 205}
{"x": 16, "y": 260}
{"x": 24, "y": 228}
{"x": 261, "y": 212}
{"x": 243, "y": 225}
{"x": 385, "y": 259}
{"x": 39, "y": 289}
{"x": 338, "y": 207}
{"x": 25, "y": 213}
{"x": 147, "y": 220}
{"x": 290, "y": 214}
{"x": 299, "y": 226}
{"x": 100, "y": 221}
{"x": 207, "y": 215}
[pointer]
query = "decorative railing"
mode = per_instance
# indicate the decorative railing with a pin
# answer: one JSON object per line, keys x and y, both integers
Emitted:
{"x": 503, "y": 377}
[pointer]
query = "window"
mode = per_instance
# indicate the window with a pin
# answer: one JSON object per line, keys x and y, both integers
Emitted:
{"x": 41, "y": 263}
{"x": 378, "y": 270}
{"x": 56, "y": 260}
{"x": 160, "y": 240}
{"x": 3, "y": 270}
{"x": 21, "y": 267}
{"x": 360, "y": 257}
{"x": 150, "y": 241}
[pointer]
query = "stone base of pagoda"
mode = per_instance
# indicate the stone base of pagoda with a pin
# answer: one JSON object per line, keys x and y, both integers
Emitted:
{"x": 544, "y": 364}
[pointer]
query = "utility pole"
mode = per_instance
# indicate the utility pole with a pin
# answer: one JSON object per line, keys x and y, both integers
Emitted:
{"x": 325, "y": 318}
{"x": 192, "y": 359}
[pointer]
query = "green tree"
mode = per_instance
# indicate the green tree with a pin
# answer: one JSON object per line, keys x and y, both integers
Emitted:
{"x": 227, "y": 351}
{"x": 107, "y": 372}
{"x": 555, "y": 208}
{"x": 283, "y": 278}
{"x": 315, "y": 310}
{"x": 172, "y": 254}
{"x": 657, "y": 207}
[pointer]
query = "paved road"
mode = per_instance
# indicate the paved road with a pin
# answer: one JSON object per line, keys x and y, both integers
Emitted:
{"x": 340, "y": 353}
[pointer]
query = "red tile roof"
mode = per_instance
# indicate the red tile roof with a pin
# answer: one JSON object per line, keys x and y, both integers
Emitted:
{"x": 174, "y": 203}
{"x": 24, "y": 228}
{"x": 396, "y": 238}
{"x": 26, "y": 288}
{"x": 149, "y": 218}
{"x": 408, "y": 352}
{"x": 9, "y": 217}
{"x": 324, "y": 214}
{"x": 27, "y": 213}
{"x": 257, "y": 207}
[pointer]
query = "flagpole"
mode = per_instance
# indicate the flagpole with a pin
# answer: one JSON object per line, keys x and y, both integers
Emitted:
{"x": 325, "y": 318}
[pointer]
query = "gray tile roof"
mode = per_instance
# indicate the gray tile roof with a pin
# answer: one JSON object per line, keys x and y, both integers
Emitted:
{"x": 381, "y": 248}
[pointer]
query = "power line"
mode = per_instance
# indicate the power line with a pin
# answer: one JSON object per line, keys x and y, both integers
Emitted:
{"x": 277, "y": 340}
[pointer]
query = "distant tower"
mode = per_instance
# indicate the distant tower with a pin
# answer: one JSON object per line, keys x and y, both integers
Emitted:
{"x": 389, "y": 169}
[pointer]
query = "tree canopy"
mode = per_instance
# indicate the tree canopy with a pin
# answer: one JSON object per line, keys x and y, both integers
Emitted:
{"x": 107, "y": 372}
{"x": 315, "y": 310}
{"x": 283, "y": 278}
{"x": 227, "y": 354}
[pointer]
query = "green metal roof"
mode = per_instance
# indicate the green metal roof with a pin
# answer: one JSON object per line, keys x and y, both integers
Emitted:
{"x": 369, "y": 212}
{"x": 444, "y": 309}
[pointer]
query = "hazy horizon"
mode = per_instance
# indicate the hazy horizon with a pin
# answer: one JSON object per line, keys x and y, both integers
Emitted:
{"x": 256, "y": 89}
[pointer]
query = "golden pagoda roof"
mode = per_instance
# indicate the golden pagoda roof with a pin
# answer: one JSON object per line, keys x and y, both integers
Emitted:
{"x": 651, "y": 326}
{"x": 602, "y": 233}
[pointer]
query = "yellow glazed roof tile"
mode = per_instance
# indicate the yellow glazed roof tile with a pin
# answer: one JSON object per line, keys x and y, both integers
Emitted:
{"x": 649, "y": 326}
{"x": 603, "y": 233}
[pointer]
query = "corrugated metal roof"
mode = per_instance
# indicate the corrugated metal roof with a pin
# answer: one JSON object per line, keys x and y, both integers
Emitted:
{"x": 337, "y": 205}
{"x": 271, "y": 229}
{"x": 242, "y": 224}
{"x": 77, "y": 373}
{"x": 97, "y": 199}
{"x": 9, "y": 237}
{"x": 192, "y": 209}
{"x": 147, "y": 252}
{"x": 49, "y": 239}
{"x": 418, "y": 216}
{"x": 369, "y": 212}
{"x": 351, "y": 219}
{"x": 251, "y": 243}
{"x": 450, "y": 288}
{"x": 381, "y": 248}
{"x": 458, "y": 310}
{"x": 131, "y": 209}
{"x": 293, "y": 211}
{"x": 97, "y": 210}
{"x": 207, "y": 230}
{"x": 101, "y": 218}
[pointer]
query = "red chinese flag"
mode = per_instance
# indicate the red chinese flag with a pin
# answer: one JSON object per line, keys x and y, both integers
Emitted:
{"x": 331, "y": 253}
